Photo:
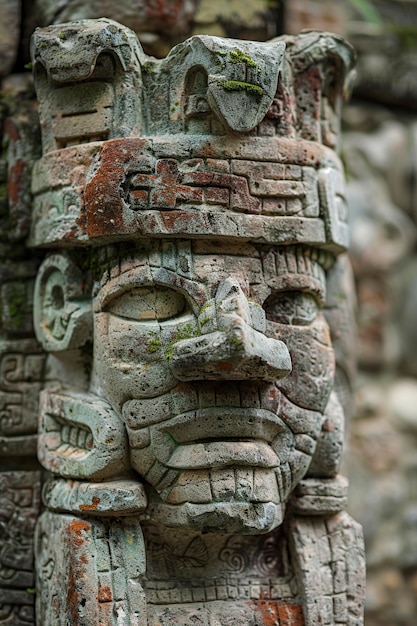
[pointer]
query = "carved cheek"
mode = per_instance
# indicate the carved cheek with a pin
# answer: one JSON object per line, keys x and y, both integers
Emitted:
{"x": 130, "y": 361}
{"x": 311, "y": 380}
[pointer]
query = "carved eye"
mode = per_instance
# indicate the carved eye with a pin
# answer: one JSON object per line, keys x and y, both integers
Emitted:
{"x": 291, "y": 307}
{"x": 148, "y": 303}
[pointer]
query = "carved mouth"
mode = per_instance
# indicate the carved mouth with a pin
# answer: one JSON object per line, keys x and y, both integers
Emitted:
{"x": 218, "y": 437}
{"x": 224, "y": 423}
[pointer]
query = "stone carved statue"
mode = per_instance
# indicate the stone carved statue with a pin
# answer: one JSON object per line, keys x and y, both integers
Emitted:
{"x": 192, "y": 214}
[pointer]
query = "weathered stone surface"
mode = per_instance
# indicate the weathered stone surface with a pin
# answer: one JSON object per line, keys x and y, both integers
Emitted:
{"x": 122, "y": 497}
{"x": 19, "y": 509}
{"x": 89, "y": 571}
{"x": 22, "y": 375}
{"x": 215, "y": 88}
{"x": 21, "y": 358}
{"x": 334, "y": 546}
{"x": 383, "y": 492}
{"x": 22, "y": 362}
{"x": 191, "y": 209}
{"x": 80, "y": 436}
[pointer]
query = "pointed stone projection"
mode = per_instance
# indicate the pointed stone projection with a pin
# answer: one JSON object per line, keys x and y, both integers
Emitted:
{"x": 192, "y": 216}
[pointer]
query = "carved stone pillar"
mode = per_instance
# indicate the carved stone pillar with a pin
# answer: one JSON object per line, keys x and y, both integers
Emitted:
{"x": 21, "y": 363}
{"x": 193, "y": 216}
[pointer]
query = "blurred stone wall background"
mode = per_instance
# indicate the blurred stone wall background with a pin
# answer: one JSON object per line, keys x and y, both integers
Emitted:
{"x": 380, "y": 154}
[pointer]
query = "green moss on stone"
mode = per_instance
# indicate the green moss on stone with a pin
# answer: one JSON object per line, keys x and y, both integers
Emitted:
{"x": 187, "y": 331}
{"x": 238, "y": 56}
{"x": 154, "y": 343}
{"x": 237, "y": 85}
{"x": 237, "y": 342}
{"x": 148, "y": 68}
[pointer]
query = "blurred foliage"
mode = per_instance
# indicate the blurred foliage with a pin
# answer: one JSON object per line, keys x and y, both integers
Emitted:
{"x": 367, "y": 10}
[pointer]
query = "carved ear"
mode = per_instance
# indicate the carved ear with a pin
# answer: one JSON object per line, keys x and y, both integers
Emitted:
{"x": 62, "y": 313}
{"x": 328, "y": 455}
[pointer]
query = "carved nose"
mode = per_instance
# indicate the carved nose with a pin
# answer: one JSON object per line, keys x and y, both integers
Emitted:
{"x": 233, "y": 345}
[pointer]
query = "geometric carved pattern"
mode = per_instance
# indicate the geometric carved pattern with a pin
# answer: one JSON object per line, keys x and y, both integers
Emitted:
{"x": 21, "y": 373}
{"x": 19, "y": 508}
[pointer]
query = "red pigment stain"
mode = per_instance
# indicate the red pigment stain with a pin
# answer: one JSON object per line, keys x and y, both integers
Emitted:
{"x": 104, "y": 189}
{"x": 75, "y": 529}
{"x": 170, "y": 218}
{"x": 276, "y": 613}
{"x": 104, "y": 594}
{"x": 76, "y": 569}
{"x": 90, "y": 507}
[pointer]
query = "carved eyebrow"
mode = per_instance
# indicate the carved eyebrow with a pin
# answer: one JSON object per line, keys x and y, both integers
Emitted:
{"x": 145, "y": 276}
{"x": 294, "y": 268}
{"x": 300, "y": 282}
{"x": 136, "y": 277}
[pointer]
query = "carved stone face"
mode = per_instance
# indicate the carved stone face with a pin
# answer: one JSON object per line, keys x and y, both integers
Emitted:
{"x": 218, "y": 357}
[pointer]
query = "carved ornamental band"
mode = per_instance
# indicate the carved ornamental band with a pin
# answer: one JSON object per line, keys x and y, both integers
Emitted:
{"x": 192, "y": 215}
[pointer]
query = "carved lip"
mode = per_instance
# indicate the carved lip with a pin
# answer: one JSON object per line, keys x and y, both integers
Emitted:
{"x": 224, "y": 436}
{"x": 222, "y": 423}
{"x": 223, "y": 453}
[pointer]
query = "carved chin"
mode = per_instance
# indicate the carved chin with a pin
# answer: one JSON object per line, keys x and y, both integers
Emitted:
{"x": 244, "y": 518}
{"x": 233, "y": 499}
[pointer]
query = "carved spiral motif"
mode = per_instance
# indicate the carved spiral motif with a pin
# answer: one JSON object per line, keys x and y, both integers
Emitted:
{"x": 234, "y": 556}
{"x": 268, "y": 557}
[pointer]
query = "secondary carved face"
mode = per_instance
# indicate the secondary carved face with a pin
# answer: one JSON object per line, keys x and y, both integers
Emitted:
{"x": 219, "y": 360}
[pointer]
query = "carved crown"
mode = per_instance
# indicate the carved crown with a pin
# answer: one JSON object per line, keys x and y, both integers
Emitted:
{"x": 222, "y": 138}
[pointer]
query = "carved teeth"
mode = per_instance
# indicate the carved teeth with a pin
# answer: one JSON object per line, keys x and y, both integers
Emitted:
{"x": 82, "y": 435}
{"x": 73, "y": 440}
{"x": 225, "y": 485}
{"x": 73, "y": 436}
{"x": 265, "y": 488}
{"x": 65, "y": 433}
